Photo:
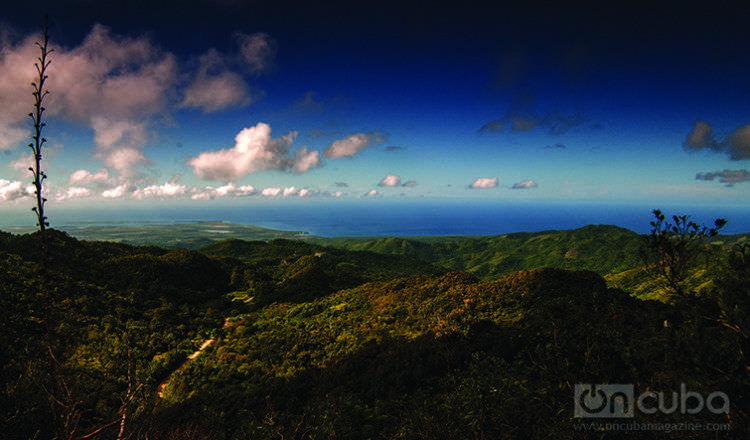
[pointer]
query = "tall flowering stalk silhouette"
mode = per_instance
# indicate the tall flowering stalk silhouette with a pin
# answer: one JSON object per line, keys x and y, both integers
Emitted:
{"x": 39, "y": 93}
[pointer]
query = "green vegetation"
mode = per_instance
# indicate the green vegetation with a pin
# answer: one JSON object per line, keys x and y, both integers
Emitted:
{"x": 192, "y": 235}
{"x": 457, "y": 338}
{"x": 314, "y": 341}
{"x": 599, "y": 248}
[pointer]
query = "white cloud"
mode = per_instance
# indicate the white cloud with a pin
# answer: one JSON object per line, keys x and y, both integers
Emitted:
{"x": 12, "y": 136}
{"x": 201, "y": 195}
{"x": 228, "y": 190}
{"x": 352, "y": 144}
{"x": 271, "y": 192}
{"x": 111, "y": 76}
{"x": 526, "y": 184}
{"x": 215, "y": 87}
{"x": 118, "y": 86}
{"x": 290, "y": 191}
{"x": 338, "y": 193}
{"x": 372, "y": 193}
{"x": 16, "y": 73}
{"x": 22, "y": 165}
{"x": 484, "y": 182}
{"x": 254, "y": 150}
{"x": 116, "y": 192}
{"x": 83, "y": 177}
{"x": 113, "y": 85}
{"x": 304, "y": 160}
{"x": 217, "y": 92}
{"x": 74, "y": 192}
{"x": 169, "y": 189}
{"x": 390, "y": 180}
{"x": 14, "y": 190}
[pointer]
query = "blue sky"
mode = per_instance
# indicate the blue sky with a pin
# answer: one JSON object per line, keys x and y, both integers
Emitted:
{"x": 201, "y": 101}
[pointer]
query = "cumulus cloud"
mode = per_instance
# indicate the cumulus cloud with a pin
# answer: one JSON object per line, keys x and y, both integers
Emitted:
{"x": 305, "y": 160}
{"x": 352, "y": 144}
{"x": 118, "y": 86}
{"x": 393, "y": 180}
{"x": 484, "y": 182}
{"x": 526, "y": 184}
{"x": 730, "y": 177}
{"x": 215, "y": 87}
{"x": 254, "y": 150}
{"x": 372, "y": 193}
{"x": 736, "y": 145}
{"x": 228, "y": 190}
{"x": 390, "y": 180}
{"x": 116, "y": 192}
{"x": 14, "y": 190}
{"x": 16, "y": 73}
{"x": 74, "y": 192}
{"x": 271, "y": 192}
{"x": 701, "y": 137}
{"x": 111, "y": 84}
{"x": 83, "y": 177}
{"x": 217, "y": 92}
{"x": 294, "y": 191}
{"x": 169, "y": 189}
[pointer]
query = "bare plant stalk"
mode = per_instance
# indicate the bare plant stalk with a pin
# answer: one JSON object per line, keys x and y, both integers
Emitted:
{"x": 36, "y": 115}
{"x": 40, "y": 93}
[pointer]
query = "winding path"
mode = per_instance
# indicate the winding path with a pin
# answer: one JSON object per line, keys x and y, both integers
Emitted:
{"x": 195, "y": 354}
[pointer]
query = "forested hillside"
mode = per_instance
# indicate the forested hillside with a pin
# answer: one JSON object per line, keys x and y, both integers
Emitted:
{"x": 302, "y": 340}
{"x": 601, "y": 248}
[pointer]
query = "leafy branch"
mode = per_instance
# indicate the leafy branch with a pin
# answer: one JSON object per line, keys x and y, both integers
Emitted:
{"x": 672, "y": 248}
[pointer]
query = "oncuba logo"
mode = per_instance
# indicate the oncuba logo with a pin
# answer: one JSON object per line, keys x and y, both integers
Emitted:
{"x": 620, "y": 401}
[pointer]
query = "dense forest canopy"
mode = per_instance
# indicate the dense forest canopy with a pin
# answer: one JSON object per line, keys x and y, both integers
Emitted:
{"x": 384, "y": 338}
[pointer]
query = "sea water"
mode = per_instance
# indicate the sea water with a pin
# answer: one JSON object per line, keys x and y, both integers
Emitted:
{"x": 388, "y": 218}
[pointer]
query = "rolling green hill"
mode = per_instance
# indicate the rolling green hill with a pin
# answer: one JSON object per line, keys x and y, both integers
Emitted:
{"x": 600, "y": 248}
{"x": 372, "y": 339}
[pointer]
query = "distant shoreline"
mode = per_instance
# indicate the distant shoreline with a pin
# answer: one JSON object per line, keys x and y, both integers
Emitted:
{"x": 387, "y": 219}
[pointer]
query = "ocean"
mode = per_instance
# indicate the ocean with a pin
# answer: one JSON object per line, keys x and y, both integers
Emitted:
{"x": 388, "y": 218}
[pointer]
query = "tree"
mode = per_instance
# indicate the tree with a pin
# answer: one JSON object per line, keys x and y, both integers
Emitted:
{"x": 673, "y": 248}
